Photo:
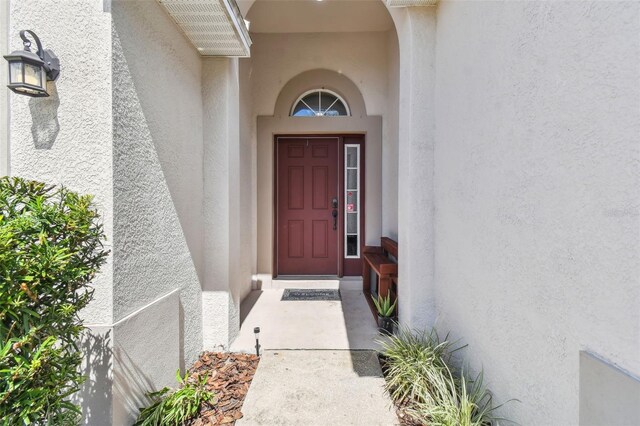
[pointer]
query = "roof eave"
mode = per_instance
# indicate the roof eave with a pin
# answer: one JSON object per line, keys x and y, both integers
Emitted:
{"x": 214, "y": 27}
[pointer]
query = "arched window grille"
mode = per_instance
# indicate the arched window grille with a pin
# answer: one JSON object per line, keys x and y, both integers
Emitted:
{"x": 320, "y": 103}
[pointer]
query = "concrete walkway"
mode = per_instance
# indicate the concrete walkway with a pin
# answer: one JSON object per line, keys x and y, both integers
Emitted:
{"x": 345, "y": 324}
{"x": 319, "y": 365}
{"x": 320, "y": 387}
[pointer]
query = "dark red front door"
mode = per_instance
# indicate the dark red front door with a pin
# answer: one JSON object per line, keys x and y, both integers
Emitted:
{"x": 307, "y": 188}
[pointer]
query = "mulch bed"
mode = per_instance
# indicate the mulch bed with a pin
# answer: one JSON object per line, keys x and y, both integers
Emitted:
{"x": 229, "y": 377}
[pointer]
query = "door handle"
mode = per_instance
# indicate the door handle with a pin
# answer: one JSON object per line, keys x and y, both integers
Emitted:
{"x": 334, "y": 213}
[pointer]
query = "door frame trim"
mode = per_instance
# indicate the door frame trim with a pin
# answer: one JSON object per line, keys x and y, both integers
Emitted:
{"x": 341, "y": 166}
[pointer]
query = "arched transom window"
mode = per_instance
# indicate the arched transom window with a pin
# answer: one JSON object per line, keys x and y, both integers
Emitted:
{"x": 319, "y": 103}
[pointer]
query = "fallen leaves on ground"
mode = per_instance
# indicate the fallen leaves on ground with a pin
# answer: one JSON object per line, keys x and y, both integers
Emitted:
{"x": 228, "y": 377}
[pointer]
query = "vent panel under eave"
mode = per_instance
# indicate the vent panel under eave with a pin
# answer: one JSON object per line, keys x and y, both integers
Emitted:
{"x": 214, "y": 27}
{"x": 410, "y": 3}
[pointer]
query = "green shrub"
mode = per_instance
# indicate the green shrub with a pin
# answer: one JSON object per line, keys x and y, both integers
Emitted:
{"x": 419, "y": 377}
{"x": 175, "y": 407}
{"x": 50, "y": 250}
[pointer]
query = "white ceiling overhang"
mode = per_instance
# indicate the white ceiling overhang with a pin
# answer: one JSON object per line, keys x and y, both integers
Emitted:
{"x": 214, "y": 27}
{"x": 410, "y": 3}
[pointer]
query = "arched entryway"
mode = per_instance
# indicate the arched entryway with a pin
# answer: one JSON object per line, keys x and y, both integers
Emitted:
{"x": 290, "y": 144}
{"x": 325, "y": 46}
{"x": 389, "y": 54}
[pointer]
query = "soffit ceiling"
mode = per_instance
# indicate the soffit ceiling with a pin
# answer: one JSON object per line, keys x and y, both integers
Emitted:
{"x": 214, "y": 27}
{"x": 313, "y": 16}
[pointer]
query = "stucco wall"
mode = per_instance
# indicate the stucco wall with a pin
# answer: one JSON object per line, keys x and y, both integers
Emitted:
{"x": 248, "y": 178}
{"x": 537, "y": 182}
{"x": 146, "y": 355}
{"x": 416, "y": 139}
{"x": 390, "y": 140}
{"x": 158, "y": 180}
{"x": 277, "y": 58}
{"x": 227, "y": 203}
{"x": 66, "y": 138}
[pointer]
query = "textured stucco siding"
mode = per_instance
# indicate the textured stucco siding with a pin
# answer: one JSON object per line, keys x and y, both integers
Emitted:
{"x": 227, "y": 276}
{"x": 416, "y": 34}
{"x": 66, "y": 138}
{"x": 247, "y": 261}
{"x": 277, "y": 58}
{"x": 537, "y": 182}
{"x": 389, "y": 167}
{"x": 146, "y": 355}
{"x": 158, "y": 181}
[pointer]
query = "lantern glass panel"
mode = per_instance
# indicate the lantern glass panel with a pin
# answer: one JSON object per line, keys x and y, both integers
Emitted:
{"x": 15, "y": 72}
{"x": 33, "y": 75}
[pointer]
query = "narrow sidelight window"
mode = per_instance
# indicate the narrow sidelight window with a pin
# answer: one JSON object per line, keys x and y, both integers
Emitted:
{"x": 352, "y": 197}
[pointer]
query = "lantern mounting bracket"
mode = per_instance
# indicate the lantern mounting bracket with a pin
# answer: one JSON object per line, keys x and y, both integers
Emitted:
{"x": 51, "y": 61}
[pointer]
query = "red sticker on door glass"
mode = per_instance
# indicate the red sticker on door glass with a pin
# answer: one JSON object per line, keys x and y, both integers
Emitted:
{"x": 349, "y": 207}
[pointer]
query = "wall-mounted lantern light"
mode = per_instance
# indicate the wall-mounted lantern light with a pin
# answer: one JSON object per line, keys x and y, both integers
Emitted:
{"x": 28, "y": 71}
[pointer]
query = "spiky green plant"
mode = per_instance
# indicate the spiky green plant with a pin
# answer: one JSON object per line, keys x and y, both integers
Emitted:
{"x": 413, "y": 361}
{"x": 455, "y": 401}
{"x": 175, "y": 407}
{"x": 419, "y": 377}
{"x": 384, "y": 306}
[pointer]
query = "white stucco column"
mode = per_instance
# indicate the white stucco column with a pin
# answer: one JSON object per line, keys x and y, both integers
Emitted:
{"x": 416, "y": 33}
{"x": 220, "y": 310}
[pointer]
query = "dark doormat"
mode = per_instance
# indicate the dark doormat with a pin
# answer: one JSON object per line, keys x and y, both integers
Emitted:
{"x": 310, "y": 294}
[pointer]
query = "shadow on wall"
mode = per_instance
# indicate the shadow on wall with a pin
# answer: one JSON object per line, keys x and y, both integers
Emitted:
{"x": 130, "y": 386}
{"x": 44, "y": 116}
{"x": 181, "y": 334}
{"x": 107, "y": 395}
{"x": 95, "y": 395}
{"x": 155, "y": 151}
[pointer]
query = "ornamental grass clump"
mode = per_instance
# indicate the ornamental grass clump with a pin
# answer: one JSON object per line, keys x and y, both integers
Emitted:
{"x": 420, "y": 380}
{"x": 413, "y": 362}
{"x": 455, "y": 401}
{"x": 50, "y": 250}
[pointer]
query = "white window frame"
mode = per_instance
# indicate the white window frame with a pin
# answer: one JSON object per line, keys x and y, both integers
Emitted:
{"x": 320, "y": 92}
{"x": 358, "y": 200}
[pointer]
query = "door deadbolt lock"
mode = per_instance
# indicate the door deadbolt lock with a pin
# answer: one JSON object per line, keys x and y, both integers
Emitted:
{"x": 334, "y": 213}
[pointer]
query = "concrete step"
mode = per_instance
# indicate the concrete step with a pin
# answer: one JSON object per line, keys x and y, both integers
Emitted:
{"x": 345, "y": 283}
